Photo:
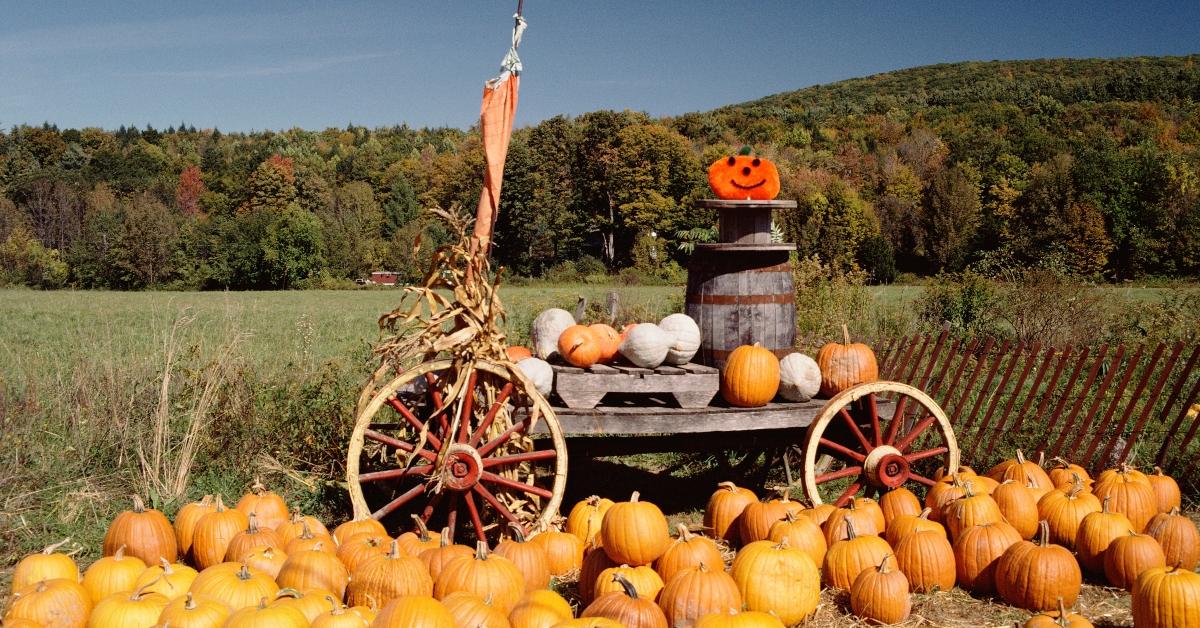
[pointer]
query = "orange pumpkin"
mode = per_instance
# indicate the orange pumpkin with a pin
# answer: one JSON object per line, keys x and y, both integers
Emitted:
{"x": 751, "y": 377}
{"x": 845, "y": 365}
{"x": 516, "y": 353}
{"x": 744, "y": 177}
{"x": 610, "y": 340}
{"x": 580, "y": 346}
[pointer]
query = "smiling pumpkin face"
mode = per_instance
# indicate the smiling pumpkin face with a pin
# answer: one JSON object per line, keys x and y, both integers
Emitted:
{"x": 744, "y": 177}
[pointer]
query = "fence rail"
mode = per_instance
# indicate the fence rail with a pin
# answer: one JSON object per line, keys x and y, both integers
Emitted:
{"x": 1095, "y": 406}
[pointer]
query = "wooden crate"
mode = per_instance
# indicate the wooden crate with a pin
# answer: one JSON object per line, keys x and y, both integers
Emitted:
{"x": 692, "y": 385}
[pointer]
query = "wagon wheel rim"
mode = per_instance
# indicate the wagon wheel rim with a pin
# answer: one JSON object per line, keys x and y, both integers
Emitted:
{"x": 487, "y": 473}
{"x": 878, "y": 453}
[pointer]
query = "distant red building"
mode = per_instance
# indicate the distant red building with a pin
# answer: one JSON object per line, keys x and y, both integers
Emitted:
{"x": 385, "y": 277}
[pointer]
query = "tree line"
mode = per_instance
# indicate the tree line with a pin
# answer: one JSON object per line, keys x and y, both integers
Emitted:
{"x": 1092, "y": 167}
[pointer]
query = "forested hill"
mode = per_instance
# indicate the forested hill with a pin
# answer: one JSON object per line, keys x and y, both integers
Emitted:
{"x": 1092, "y": 166}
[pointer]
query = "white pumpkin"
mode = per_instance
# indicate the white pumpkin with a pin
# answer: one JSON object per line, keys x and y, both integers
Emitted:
{"x": 799, "y": 377}
{"x": 547, "y": 327}
{"x": 646, "y": 345}
{"x": 685, "y": 338}
{"x": 540, "y": 373}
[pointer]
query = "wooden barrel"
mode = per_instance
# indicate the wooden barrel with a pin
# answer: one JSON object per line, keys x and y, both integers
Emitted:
{"x": 740, "y": 295}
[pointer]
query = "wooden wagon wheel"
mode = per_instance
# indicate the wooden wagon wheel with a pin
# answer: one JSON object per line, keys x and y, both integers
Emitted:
{"x": 407, "y": 455}
{"x": 871, "y": 453}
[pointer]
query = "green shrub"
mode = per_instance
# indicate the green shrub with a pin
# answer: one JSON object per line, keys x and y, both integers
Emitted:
{"x": 967, "y": 302}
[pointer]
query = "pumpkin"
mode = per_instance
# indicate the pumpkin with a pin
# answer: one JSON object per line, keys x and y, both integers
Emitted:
{"x": 1131, "y": 496}
{"x": 1166, "y": 597}
{"x": 627, "y": 607}
{"x": 928, "y": 560}
{"x": 1018, "y": 507}
{"x": 469, "y": 609}
{"x": 1064, "y": 510}
{"x": 435, "y": 559}
{"x": 865, "y": 522}
{"x": 977, "y": 551}
{"x": 340, "y": 617}
{"x": 269, "y": 507}
{"x": 250, "y": 540}
{"x": 586, "y": 516}
{"x": 610, "y": 341}
{"x": 1178, "y": 537}
{"x": 46, "y": 565}
{"x": 186, "y": 519}
{"x": 547, "y": 327}
{"x": 942, "y": 493}
{"x": 589, "y": 622}
{"x": 310, "y": 540}
{"x": 358, "y": 526}
{"x": 1060, "y": 618}
{"x": 530, "y": 558}
{"x": 779, "y": 579}
{"x": 109, "y": 575}
{"x": 358, "y": 548}
{"x": 1021, "y": 470}
{"x": 191, "y": 612}
{"x": 896, "y": 502}
{"x": 595, "y": 562}
{"x": 1096, "y": 532}
{"x": 685, "y": 338}
{"x": 724, "y": 507}
{"x": 299, "y": 525}
{"x": 802, "y": 534}
{"x": 579, "y": 346}
{"x": 564, "y": 551}
{"x": 172, "y": 580}
{"x": 905, "y": 525}
{"x": 414, "y": 611}
{"x": 1123, "y": 472}
{"x": 970, "y": 510}
{"x": 744, "y": 177}
{"x": 819, "y": 513}
{"x": 310, "y": 603}
{"x": 646, "y": 345}
{"x": 845, "y": 365}
{"x": 871, "y": 507}
{"x": 745, "y": 619}
{"x": 1034, "y": 574}
{"x": 1063, "y": 473}
{"x": 516, "y": 353}
{"x": 634, "y": 532}
{"x": 264, "y": 616}
{"x": 213, "y": 533}
{"x": 315, "y": 569}
{"x": 881, "y": 594}
{"x": 145, "y": 533}
{"x": 54, "y": 603}
{"x": 756, "y": 520}
{"x": 540, "y": 374}
{"x": 751, "y": 377}
{"x": 485, "y": 575}
{"x": 236, "y": 586}
{"x": 698, "y": 591}
{"x": 414, "y": 543}
{"x": 847, "y": 558}
{"x": 1129, "y": 555}
{"x": 1166, "y": 490}
{"x": 643, "y": 578}
{"x": 799, "y": 377}
{"x": 687, "y": 550}
{"x": 381, "y": 578}
{"x": 540, "y": 609}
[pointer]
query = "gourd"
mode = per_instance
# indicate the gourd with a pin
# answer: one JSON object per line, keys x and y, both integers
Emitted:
{"x": 799, "y": 377}
{"x": 685, "y": 338}
{"x": 744, "y": 177}
{"x": 646, "y": 345}
{"x": 547, "y": 327}
{"x": 539, "y": 373}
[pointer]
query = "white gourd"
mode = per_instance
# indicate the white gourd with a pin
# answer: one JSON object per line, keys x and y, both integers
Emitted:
{"x": 646, "y": 345}
{"x": 540, "y": 373}
{"x": 799, "y": 377}
{"x": 547, "y": 327}
{"x": 685, "y": 338}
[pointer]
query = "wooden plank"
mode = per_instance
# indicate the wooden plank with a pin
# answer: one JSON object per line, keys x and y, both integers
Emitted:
{"x": 985, "y": 390}
{"x": 629, "y": 369}
{"x": 692, "y": 367}
{"x": 603, "y": 369}
{"x": 669, "y": 370}
{"x": 1056, "y": 449}
{"x": 1147, "y": 374}
{"x": 980, "y": 362}
{"x": 1160, "y": 459}
{"x": 1087, "y": 462}
{"x": 995, "y": 399}
{"x": 1035, "y": 391}
{"x": 1030, "y": 357}
{"x": 1150, "y": 401}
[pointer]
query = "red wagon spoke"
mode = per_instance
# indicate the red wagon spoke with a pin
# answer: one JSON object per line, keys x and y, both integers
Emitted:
{"x": 847, "y": 494}
{"x": 849, "y": 420}
{"x": 501, "y": 399}
{"x": 928, "y": 453}
{"x": 873, "y": 408}
{"x": 843, "y": 473}
{"x": 398, "y": 502}
{"x": 842, "y": 449}
{"x": 415, "y": 422}
{"x": 488, "y": 476}
{"x": 492, "y": 501}
{"x": 920, "y": 478}
{"x": 916, "y": 431}
{"x": 468, "y": 408}
{"x": 422, "y": 469}
{"x": 384, "y": 439}
{"x": 436, "y": 397}
{"x": 897, "y": 419}
{"x": 491, "y": 445}
{"x": 473, "y": 511}
{"x": 430, "y": 507}
{"x": 497, "y": 461}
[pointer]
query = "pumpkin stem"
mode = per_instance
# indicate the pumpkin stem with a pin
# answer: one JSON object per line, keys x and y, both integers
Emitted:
{"x": 120, "y": 553}
{"x": 189, "y": 604}
{"x": 445, "y": 540}
{"x": 1076, "y": 485}
{"x": 593, "y": 500}
{"x": 518, "y": 531}
{"x": 244, "y": 572}
{"x": 220, "y": 507}
{"x": 1158, "y": 470}
{"x": 337, "y": 608}
{"x": 633, "y": 498}
{"x": 252, "y": 525}
{"x": 296, "y": 516}
{"x": 682, "y": 531}
{"x": 262, "y": 604}
{"x": 1020, "y": 457}
{"x": 423, "y": 532}
{"x": 288, "y": 592}
{"x": 166, "y": 566}
{"x": 729, "y": 486}
{"x": 49, "y": 549}
{"x": 783, "y": 543}
{"x": 846, "y": 333}
{"x": 925, "y": 512}
{"x": 481, "y": 550}
{"x": 1104, "y": 504}
{"x": 305, "y": 533}
{"x": 1062, "y": 613}
{"x": 1043, "y": 538}
{"x": 394, "y": 550}
{"x": 1174, "y": 511}
{"x": 258, "y": 488}
{"x": 139, "y": 506}
{"x": 1041, "y": 461}
{"x": 1060, "y": 462}
{"x": 140, "y": 591}
{"x": 850, "y": 534}
{"x": 630, "y": 590}
{"x": 883, "y": 568}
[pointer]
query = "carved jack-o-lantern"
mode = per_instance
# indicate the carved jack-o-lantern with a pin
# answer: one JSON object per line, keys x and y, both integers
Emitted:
{"x": 744, "y": 177}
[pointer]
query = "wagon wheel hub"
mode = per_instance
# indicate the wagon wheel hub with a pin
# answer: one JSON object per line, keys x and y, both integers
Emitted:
{"x": 886, "y": 467}
{"x": 462, "y": 467}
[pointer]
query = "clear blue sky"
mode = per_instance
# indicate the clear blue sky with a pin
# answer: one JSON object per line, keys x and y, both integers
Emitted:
{"x": 246, "y": 64}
